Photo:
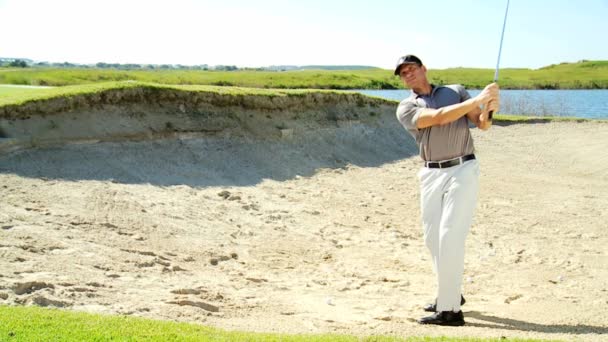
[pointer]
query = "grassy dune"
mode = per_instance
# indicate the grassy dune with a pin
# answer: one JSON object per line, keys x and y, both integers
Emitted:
{"x": 18, "y": 96}
{"x": 15, "y": 96}
{"x": 582, "y": 75}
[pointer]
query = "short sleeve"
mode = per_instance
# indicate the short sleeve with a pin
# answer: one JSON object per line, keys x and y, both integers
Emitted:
{"x": 407, "y": 114}
{"x": 464, "y": 94}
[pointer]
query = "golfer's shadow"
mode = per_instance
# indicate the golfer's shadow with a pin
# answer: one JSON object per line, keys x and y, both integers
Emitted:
{"x": 513, "y": 324}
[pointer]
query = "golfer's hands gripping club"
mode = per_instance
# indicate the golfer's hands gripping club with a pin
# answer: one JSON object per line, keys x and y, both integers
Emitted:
{"x": 489, "y": 98}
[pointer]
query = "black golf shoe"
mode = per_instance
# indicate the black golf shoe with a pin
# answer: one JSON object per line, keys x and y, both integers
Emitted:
{"x": 433, "y": 307}
{"x": 449, "y": 318}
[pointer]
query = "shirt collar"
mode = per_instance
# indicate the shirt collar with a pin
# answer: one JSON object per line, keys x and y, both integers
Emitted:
{"x": 433, "y": 89}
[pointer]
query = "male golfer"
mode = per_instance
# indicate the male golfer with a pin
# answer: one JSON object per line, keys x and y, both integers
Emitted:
{"x": 438, "y": 118}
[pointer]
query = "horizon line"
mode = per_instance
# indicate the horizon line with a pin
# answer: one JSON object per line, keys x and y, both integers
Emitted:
{"x": 362, "y": 66}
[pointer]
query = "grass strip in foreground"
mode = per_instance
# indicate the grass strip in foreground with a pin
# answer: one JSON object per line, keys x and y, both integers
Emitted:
{"x": 43, "y": 324}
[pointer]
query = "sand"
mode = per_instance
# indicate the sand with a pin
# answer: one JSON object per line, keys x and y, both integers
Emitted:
{"x": 313, "y": 232}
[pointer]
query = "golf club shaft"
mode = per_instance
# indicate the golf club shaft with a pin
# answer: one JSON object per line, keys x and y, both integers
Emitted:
{"x": 502, "y": 36}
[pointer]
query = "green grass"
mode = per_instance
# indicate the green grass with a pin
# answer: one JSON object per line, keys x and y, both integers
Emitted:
{"x": 581, "y": 75}
{"x": 318, "y": 79}
{"x": 6, "y": 91}
{"x": 42, "y": 324}
{"x": 19, "y": 96}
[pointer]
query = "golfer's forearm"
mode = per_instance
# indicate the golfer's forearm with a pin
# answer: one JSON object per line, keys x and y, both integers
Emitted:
{"x": 444, "y": 115}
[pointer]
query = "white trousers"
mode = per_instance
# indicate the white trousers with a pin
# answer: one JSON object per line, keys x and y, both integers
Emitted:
{"x": 448, "y": 198}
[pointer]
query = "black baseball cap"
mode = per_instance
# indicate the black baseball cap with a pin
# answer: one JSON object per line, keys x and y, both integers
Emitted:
{"x": 407, "y": 59}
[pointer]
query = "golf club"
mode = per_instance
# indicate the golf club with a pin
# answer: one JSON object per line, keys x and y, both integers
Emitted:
{"x": 502, "y": 36}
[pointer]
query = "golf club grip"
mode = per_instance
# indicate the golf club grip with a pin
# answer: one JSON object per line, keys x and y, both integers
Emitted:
{"x": 491, "y": 113}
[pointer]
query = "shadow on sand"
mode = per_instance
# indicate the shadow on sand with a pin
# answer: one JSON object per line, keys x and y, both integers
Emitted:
{"x": 513, "y": 324}
{"x": 213, "y": 161}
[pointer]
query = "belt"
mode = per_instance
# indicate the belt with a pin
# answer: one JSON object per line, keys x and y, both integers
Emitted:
{"x": 448, "y": 163}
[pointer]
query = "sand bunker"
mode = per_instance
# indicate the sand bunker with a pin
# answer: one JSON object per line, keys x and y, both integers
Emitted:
{"x": 304, "y": 221}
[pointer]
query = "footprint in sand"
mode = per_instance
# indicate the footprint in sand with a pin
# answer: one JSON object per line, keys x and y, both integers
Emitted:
{"x": 201, "y": 293}
{"x": 95, "y": 284}
{"x": 30, "y": 287}
{"x": 202, "y": 305}
{"x": 215, "y": 261}
{"x": 44, "y": 301}
{"x": 186, "y": 291}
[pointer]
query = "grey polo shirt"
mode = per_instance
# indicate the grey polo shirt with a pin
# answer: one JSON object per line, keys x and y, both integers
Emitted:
{"x": 438, "y": 142}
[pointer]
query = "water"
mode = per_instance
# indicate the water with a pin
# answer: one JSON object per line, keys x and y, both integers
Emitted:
{"x": 590, "y": 104}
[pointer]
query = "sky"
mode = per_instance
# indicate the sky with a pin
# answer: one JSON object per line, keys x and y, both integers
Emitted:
{"x": 255, "y": 33}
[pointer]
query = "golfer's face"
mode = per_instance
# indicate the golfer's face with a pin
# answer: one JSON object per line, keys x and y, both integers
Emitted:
{"x": 411, "y": 74}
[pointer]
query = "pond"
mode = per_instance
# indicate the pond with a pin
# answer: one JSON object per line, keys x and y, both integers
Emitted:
{"x": 585, "y": 103}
